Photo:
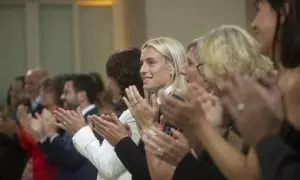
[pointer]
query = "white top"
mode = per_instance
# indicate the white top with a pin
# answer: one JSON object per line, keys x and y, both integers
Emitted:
{"x": 87, "y": 109}
{"x": 103, "y": 156}
{"x": 168, "y": 90}
{"x": 35, "y": 102}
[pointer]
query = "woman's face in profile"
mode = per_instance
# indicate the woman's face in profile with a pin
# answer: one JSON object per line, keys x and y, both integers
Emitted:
{"x": 264, "y": 25}
{"x": 156, "y": 71}
{"x": 192, "y": 69}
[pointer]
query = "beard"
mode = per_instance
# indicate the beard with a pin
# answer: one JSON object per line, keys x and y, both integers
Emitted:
{"x": 70, "y": 106}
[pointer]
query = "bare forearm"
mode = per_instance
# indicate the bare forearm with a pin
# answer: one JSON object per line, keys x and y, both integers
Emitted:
{"x": 232, "y": 163}
{"x": 159, "y": 170}
{"x": 194, "y": 142}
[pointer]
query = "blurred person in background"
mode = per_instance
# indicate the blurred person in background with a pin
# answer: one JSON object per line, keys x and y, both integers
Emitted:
{"x": 33, "y": 80}
{"x": 78, "y": 91}
{"x": 12, "y": 156}
{"x": 50, "y": 92}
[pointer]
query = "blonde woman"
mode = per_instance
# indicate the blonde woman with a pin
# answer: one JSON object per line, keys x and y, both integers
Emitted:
{"x": 226, "y": 49}
{"x": 161, "y": 60}
{"x": 175, "y": 150}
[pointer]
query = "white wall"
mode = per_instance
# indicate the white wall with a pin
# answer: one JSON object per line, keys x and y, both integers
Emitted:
{"x": 185, "y": 20}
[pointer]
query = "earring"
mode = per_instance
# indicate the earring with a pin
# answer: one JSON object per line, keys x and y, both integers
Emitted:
{"x": 172, "y": 74}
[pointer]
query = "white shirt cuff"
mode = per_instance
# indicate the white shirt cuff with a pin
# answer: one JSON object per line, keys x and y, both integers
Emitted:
{"x": 83, "y": 138}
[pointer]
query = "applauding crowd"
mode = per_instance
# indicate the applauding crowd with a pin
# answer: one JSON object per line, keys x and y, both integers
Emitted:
{"x": 224, "y": 107}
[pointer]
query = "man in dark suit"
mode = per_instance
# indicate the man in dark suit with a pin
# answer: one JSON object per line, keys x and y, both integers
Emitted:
{"x": 33, "y": 80}
{"x": 79, "y": 91}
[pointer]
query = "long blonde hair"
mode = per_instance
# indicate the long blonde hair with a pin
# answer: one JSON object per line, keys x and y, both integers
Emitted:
{"x": 175, "y": 54}
{"x": 230, "y": 49}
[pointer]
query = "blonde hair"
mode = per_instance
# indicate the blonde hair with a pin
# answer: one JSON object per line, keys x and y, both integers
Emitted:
{"x": 194, "y": 43}
{"x": 229, "y": 49}
{"x": 175, "y": 54}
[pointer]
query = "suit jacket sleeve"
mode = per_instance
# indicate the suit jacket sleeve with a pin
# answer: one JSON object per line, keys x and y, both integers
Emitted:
{"x": 191, "y": 168}
{"x": 61, "y": 151}
{"x": 278, "y": 161}
{"x": 133, "y": 159}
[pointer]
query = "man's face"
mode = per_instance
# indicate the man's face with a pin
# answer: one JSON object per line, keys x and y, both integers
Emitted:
{"x": 32, "y": 85}
{"x": 69, "y": 96}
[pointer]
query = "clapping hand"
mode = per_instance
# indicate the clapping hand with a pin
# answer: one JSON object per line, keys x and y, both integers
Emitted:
{"x": 144, "y": 112}
{"x": 110, "y": 127}
{"x": 255, "y": 106}
{"x": 69, "y": 120}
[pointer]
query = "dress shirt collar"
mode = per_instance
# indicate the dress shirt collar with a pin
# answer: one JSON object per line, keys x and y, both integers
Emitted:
{"x": 87, "y": 109}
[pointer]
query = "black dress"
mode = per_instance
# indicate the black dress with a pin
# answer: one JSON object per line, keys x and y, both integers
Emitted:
{"x": 133, "y": 158}
{"x": 12, "y": 158}
{"x": 192, "y": 168}
{"x": 279, "y": 156}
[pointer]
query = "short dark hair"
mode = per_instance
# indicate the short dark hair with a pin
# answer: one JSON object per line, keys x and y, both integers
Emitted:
{"x": 98, "y": 82}
{"x": 55, "y": 84}
{"x": 99, "y": 88}
{"x": 124, "y": 66}
{"x": 85, "y": 82}
{"x": 288, "y": 32}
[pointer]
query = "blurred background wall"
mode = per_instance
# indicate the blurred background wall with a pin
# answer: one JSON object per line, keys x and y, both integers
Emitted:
{"x": 78, "y": 35}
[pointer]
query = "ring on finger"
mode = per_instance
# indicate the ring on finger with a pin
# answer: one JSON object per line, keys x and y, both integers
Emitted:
{"x": 160, "y": 152}
{"x": 240, "y": 106}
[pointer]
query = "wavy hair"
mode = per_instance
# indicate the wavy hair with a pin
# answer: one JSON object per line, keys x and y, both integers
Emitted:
{"x": 228, "y": 49}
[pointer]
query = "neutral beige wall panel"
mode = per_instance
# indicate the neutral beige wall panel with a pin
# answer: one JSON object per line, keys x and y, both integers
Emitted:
{"x": 32, "y": 34}
{"x": 12, "y": 46}
{"x": 12, "y": 1}
{"x": 250, "y": 13}
{"x": 120, "y": 26}
{"x": 188, "y": 19}
{"x": 96, "y": 41}
{"x": 137, "y": 21}
{"x": 56, "y": 41}
{"x": 68, "y": 2}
